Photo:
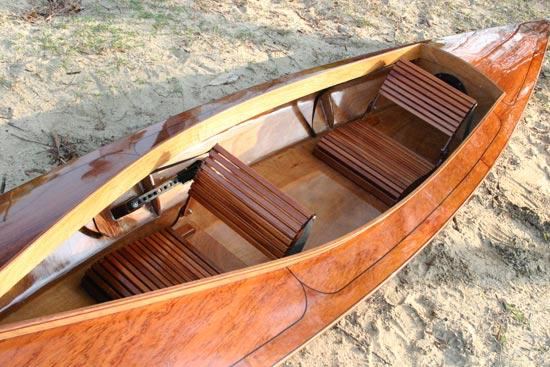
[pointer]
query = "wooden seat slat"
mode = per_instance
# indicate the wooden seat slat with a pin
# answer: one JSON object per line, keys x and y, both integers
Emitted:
{"x": 426, "y": 97}
{"x": 458, "y": 106}
{"x": 381, "y": 141}
{"x": 359, "y": 150}
{"x": 183, "y": 273}
{"x": 159, "y": 260}
{"x": 265, "y": 216}
{"x": 292, "y": 214}
{"x": 277, "y": 194}
{"x": 240, "y": 223}
{"x": 417, "y": 110}
{"x": 409, "y": 68}
{"x": 159, "y": 263}
{"x": 150, "y": 272}
{"x": 133, "y": 274}
{"x": 235, "y": 208}
{"x": 126, "y": 287}
{"x": 379, "y": 163}
{"x": 269, "y": 210}
{"x": 355, "y": 162}
{"x": 190, "y": 268}
{"x": 384, "y": 159}
{"x": 97, "y": 283}
{"x": 392, "y": 158}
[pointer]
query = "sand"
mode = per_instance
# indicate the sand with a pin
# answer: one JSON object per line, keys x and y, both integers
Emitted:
{"x": 477, "y": 295}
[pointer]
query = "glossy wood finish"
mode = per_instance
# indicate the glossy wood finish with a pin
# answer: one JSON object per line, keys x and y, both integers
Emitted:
{"x": 255, "y": 139}
{"x": 380, "y": 164}
{"x": 32, "y": 227}
{"x": 262, "y": 214}
{"x": 427, "y": 97}
{"x": 288, "y": 301}
{"x": 373, "y": 160}
{"x": 162, "y": 259}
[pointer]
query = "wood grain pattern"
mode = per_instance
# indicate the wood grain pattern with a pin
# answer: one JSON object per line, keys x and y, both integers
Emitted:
{"x": 325, "y": 308}
{"x": 262, "y": 214}
{"x": 185, "y": 337}
{"x": 32, "y": 227}
{"x": 344, "y": 263}
{"x": 427, "y": 97}
{"x": 288, "y": 301}
{"x": 372, "y": 159}
{"x": 254, "y": 140}
{"x": 162, "y": 259}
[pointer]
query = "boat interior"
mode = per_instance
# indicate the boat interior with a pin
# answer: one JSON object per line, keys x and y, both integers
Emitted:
{"x": 289, "y": 180}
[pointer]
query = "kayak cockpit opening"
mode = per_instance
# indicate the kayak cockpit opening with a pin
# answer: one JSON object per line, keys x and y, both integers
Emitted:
{"x": 288, "y": 180}
{"x": 264, "y": 216}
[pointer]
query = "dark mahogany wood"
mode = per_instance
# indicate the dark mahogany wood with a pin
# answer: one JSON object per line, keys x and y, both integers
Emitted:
{"x": 380, "y": 164}
{"x": 162, "y": 259}
{"x": 427, "y": 97}
{"x": 256, "y": 209}
{"x": 373, "y": 160}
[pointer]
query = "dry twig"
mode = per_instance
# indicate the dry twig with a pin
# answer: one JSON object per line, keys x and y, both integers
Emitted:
{"x": 3, "y": 185}
{"x": 52, "y": 8}
{"x": 62, "y": 150}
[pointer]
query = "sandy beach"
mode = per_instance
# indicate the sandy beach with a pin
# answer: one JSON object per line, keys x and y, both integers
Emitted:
{"x": 84, "y": 74}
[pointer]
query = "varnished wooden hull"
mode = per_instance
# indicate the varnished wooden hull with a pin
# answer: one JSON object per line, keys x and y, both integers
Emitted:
{"x": 259, "y": 315}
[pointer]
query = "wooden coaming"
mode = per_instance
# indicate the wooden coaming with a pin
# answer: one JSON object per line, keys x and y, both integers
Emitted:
{"x": 300, "y": 295}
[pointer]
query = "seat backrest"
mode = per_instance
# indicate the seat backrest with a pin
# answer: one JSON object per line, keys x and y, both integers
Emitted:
{"x": 427, "y": 97}
{"x": 261, "y": 213}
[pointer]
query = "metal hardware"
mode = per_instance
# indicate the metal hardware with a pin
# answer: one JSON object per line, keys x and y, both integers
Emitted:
{"x": 133, "y": 204}
{"x": 301, "y": 239}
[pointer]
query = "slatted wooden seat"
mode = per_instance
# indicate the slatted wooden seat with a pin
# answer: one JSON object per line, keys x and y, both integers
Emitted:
{"x": 162, "y": 259}
{"x": 262, "y": 214}
{"x": 377, "y": 162}
{"x": 427, "y": 97}
{"x": 372, "y": 160}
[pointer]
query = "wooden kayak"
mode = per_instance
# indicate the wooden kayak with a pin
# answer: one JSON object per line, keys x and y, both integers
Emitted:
{"x": 235, "y": 232}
